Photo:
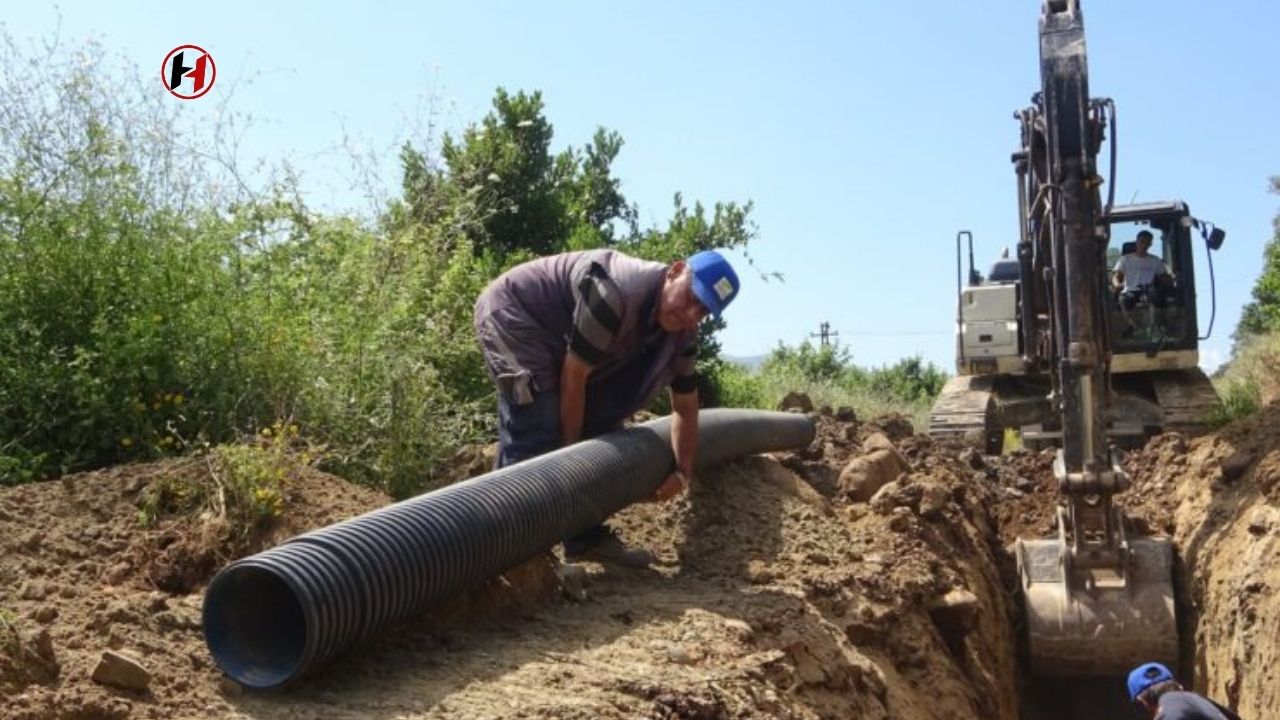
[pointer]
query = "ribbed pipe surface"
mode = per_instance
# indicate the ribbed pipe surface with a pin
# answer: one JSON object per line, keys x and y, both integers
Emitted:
{"x": 270, "y": 618}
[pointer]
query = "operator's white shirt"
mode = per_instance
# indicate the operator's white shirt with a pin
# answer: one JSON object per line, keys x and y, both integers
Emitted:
{"x": 1139, "y": 271}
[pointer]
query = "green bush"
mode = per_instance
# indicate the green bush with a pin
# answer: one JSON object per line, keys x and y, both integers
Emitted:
{"x": 144, "y": 312}
{"x": 1239, "y": 399}
{"x": 154, "y": 301}
{"x": 245, "y": 483}
{"x": 827, "y": 362}
{"x": 726, "y": 384}
{"x": 829, "y": 377}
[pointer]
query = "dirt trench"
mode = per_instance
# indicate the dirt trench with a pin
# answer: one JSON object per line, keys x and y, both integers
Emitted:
{"x": 776, "y": 596}
{"x": 1218, "y": 498}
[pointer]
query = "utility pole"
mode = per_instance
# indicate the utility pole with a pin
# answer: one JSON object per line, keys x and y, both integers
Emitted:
{"x": 824, "y": 332}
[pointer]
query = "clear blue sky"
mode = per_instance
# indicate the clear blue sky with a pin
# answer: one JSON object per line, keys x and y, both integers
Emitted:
{"x": 866, "y": 133}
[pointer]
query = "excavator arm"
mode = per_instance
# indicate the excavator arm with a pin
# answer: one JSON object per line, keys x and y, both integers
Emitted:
{"x": 1097, "y": 602}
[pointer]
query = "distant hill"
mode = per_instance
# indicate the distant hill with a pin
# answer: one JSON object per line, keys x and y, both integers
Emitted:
{"x": 750, "y": 362}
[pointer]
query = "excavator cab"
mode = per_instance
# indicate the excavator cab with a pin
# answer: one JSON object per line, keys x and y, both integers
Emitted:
{"x": 1155, "y": 313}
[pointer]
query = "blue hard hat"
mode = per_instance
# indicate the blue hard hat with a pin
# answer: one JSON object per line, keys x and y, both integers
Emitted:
{"x": 1144, "y": 676}
{"x": 714, "y": 281}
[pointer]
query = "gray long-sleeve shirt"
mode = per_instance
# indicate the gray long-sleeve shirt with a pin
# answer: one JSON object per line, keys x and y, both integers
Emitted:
{"x": 1180, "y": 705}
{"x": 600, "y": 305}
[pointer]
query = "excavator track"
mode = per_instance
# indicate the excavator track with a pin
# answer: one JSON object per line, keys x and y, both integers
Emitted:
{"x": 1186, "y": 398}
{"x": 965, "y": 410}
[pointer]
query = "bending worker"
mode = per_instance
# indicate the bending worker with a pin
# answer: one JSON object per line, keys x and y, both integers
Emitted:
{"x": 576, "y": 343}
{"x": 1155, "y": 690}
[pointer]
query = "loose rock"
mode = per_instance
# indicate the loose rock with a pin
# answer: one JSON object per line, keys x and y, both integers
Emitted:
{"x": 119, "y": 670}
{"x": 865, "y": 475}
{"x": 972, "y": 458}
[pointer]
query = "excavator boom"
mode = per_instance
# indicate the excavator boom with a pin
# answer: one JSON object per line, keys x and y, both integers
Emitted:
{"x": 1097, "y": 602}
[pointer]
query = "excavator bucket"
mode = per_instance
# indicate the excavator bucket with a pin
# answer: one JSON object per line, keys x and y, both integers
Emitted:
{"x": 1098, "y": 622}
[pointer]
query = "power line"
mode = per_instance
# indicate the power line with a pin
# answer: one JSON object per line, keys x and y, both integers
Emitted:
{"x": 897, "y": 333}
{"x": 824, "y": 332}
{"x": 825, "y": 328}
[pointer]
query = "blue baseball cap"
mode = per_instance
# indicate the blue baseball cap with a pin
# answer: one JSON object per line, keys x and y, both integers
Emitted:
{"x": 714, "y": 281}
{"x": 1144, "y": 676}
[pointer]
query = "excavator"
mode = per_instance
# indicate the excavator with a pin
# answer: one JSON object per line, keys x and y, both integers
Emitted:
{"x": 1048, "y": 347}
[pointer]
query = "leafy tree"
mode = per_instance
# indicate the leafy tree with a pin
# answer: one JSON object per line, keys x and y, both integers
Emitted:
{"x": 826, "y": 362}
{"x": 1262, "y": 315}
{"x": 908, "y": 379}
{"x": 504, "y": 188}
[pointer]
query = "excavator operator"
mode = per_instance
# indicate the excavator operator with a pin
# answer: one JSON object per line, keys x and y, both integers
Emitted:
{"x": 1140, "y": 273}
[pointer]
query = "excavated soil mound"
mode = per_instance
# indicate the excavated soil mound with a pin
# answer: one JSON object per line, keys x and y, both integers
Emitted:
{"x": 776, "y": 596}
{"x": 778, "y": 592}
{"x": 863, "y": 576}
{"x": 1219, "y": 497}
{"x": 80, "y": 575}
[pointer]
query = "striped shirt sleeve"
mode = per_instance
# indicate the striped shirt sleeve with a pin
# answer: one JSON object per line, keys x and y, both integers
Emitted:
{"x": 686, "y": 380}
{"x": 597, "y": 315}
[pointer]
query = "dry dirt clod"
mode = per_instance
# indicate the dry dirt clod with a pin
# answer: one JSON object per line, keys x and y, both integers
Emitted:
{"x": 877, "y": 441}
{"x": 176, "y": 620}
{"x": 796, "y": 401}
{"x": 1235, "y": 465}
{"x": 32, "y": 540}
{"x": 758, "y": 572}
{"x": 572, "y": 581}
{"x": 864, "y": 476}
{"x": 42, "y": 652}
{"x": 33, "y": 590}
{"x": 229, "y": 688}
{"x": 739, "y": 629}
{"x": 933, "y": 502}
{"x": 121, "y": 670}
{"x": 896, "y": 426}
{"x": 972, "y": 458}
{"x": 680, "y": 655}
{"x": 956, "y": 609}
{"x": 900, "y": 520}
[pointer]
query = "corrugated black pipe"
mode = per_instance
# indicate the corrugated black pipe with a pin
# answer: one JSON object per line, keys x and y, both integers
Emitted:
{"x": 272, "y": 617}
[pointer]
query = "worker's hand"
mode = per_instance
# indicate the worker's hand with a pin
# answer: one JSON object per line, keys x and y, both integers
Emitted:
{"x": 675, "y": 484}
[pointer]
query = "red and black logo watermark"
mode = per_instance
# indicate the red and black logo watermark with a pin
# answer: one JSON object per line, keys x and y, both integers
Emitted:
{"x": 188, "y": 72}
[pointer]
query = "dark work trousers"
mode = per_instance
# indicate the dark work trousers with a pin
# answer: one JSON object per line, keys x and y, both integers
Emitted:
{"x": 531, "y": 429}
